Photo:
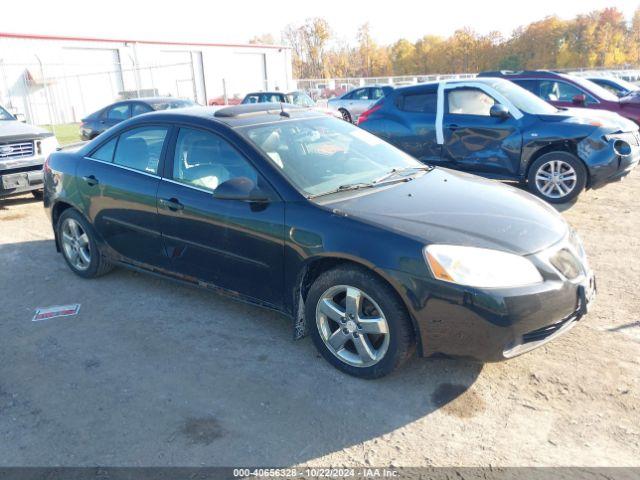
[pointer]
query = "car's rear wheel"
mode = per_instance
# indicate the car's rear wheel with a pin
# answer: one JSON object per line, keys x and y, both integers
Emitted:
{"x": 79, "y": 247}
{"x": 358, "y": 323}
{"x": 557, "y": 177}
{"x": 346, "y": 116}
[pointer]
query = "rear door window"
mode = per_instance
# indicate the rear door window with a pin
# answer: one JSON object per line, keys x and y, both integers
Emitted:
{"x": 139, "y": 109}
{"x": 532, "y": 85}
{"x": 140, "y": 148}
{"x": 119, "y": 112}
{"x": 419, "y": 102}
{"x": 376, "y": 93}
{"x": 361, "y": 94}
{"x": 105, "y": 152}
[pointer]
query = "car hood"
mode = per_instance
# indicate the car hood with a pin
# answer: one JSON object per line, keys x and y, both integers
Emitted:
{"x": 11, "y": 130}
{"x": 447, "y": 207}
{"x": 605, "y": 119}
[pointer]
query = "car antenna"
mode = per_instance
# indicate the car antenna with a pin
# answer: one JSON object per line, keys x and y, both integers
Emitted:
{"x": 282, "y": 112}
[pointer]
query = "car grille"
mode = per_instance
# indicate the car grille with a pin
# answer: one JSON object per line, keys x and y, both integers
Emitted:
{"x": 16, "y": 150}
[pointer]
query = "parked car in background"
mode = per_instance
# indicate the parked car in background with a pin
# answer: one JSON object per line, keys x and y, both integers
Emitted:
{"x": 107, "y": 117}
{"x": 494, "y": 128}
{"x": 367, "y": 249}
{"x": 353, "y": 103}
{"x": 265, "y": 97}
{"x": 618, "y": 86}
{"x": 23, "y": 150}
{"x": 298, "y": 98}
{"x": 564, "y": 90}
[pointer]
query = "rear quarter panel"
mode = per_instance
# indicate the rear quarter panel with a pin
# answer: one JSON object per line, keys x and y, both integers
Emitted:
{"x": 60, "y": 181}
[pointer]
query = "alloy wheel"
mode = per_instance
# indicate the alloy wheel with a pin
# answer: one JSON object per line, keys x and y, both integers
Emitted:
{"x": 75, "y": 244}
{"x": 352, "y": 326}
{"x": 556, "y": 179}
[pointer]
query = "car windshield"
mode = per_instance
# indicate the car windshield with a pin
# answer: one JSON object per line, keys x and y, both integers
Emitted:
{"x": 595, "y": 89}
{"x": 4, "y": 115}
{"x": 322, "y": 155}
{"x": 523, "y": 100}
{"x": 171, "y": 104}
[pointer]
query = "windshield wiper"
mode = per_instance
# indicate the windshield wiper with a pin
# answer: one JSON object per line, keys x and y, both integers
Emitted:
{"x": 344, "y": 188}
{"x": 398, "y": 172}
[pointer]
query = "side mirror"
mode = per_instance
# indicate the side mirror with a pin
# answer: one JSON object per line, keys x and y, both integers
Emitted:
{"x": 240, "y": 188}
{"x": 20, "y": 117}
{"x": 499, "y": 111}
{"x": 579, "y": 99}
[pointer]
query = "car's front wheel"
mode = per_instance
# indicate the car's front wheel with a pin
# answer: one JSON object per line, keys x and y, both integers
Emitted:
{"x": 358, "y": 323}
{"x": 557, "y": 177}
{"x": 79, "y": 247}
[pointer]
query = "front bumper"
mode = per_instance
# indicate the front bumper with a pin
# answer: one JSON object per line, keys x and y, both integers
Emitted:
{"x": 495, "y": 324}
{"x": 19, "y": 176}
{"x": 604, "y": 164}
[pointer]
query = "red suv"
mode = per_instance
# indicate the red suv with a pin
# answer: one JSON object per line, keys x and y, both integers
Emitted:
{"x": 564, "y": 90}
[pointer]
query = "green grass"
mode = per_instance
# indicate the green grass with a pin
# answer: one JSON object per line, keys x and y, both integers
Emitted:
{"x": 66, "y": 133}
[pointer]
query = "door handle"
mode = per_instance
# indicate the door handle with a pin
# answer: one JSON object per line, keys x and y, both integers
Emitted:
{"x": 172, "y": 204}
{"x": 91, "y": 180}
{"x": 453, "y": 126}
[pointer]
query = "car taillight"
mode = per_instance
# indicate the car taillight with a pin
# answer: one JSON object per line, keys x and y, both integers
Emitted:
{"x": 365, "y": 115}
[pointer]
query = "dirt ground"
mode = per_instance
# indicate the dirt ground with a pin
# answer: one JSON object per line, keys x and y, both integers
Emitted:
{"x": 154, "y": 373}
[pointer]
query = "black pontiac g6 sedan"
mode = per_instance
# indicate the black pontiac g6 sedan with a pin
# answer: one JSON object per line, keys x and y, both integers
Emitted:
{"x": 368, "y": 250}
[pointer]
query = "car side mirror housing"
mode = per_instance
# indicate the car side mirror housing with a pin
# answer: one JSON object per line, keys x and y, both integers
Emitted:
{"x": 20, "y": 117}
{"x": 240, "y": 188}
{"x": 499, "y": 111}
{"x": 579, "y": 99}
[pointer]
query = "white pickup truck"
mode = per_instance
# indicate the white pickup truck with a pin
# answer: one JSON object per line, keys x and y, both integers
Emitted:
{"x": 23, "y": 150}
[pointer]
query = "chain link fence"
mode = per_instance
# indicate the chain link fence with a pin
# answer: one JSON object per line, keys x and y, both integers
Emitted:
{"x": 62, "y": 94}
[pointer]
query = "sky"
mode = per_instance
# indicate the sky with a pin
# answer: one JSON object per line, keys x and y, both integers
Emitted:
{"x": 237, "y": 21}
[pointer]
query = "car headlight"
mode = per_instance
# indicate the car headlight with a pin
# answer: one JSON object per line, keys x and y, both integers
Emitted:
{"x": 480, "y": 267}
{"x": 48, "y": 145}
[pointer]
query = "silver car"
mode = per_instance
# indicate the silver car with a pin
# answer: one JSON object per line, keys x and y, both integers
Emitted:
{"x": 353, "y": 103}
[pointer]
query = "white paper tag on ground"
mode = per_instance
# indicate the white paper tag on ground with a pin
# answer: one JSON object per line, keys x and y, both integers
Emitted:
{"x": 48, "y": 313}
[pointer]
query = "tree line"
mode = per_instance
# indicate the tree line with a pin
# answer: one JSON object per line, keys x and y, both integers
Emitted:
{"x": 602, "y": 38}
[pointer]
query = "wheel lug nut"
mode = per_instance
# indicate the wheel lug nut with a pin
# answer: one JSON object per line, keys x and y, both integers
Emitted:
{"x": 355, "y": 334}
{"x": 345, "y": 331}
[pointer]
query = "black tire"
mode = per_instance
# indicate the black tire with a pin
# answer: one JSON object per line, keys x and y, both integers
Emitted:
{"x": 98, "y": 265}
{"x": 37, "y": 194}
{"x": 554, "y": 195}
{"x": 401, "y": 338}
{"x": 346, "y": 116}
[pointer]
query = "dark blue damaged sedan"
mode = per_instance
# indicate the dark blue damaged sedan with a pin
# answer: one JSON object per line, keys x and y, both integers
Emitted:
{"x": 369, "y": 251}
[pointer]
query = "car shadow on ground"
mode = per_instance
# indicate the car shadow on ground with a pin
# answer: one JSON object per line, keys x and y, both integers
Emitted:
{"x": 8, "y": 202}
{"x": 151, "y": 372}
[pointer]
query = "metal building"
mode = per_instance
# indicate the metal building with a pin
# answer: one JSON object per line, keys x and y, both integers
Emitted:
{"x": 53, "y": 79}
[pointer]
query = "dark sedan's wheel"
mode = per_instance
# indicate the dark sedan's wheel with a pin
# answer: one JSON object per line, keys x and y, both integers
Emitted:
{"x": 358, "y": 323}
{"x": 79, "y": 247}
{"x": 346, "y": 116}
{"x": 557, "y": 177}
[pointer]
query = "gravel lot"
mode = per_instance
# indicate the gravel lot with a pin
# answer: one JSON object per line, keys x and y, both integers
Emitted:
{"x": 155, "y": 373}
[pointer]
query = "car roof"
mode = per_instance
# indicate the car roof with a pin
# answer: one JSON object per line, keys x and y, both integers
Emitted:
{"x": 237, "y": 115}
{"x": 418, "y": 87}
